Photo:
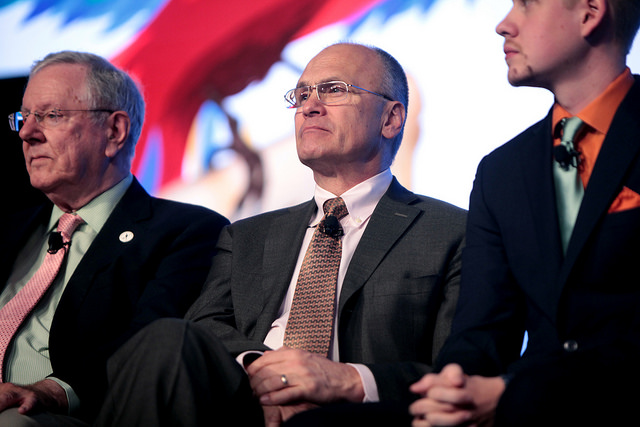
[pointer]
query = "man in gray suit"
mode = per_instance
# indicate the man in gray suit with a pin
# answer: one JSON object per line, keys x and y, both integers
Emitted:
{"x": 397, "y": 282}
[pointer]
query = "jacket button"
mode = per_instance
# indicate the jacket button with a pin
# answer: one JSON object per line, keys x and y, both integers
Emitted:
{"x": 570, "y": 346}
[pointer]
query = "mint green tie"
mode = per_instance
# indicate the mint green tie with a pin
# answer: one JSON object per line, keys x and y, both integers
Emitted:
{"x": 569, "y": 189}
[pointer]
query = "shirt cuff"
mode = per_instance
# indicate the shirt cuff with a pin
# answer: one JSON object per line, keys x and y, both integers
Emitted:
{"x": 72, "y": 399}
{"x": 368, "y": 383}
{"x": 248, "y": 357}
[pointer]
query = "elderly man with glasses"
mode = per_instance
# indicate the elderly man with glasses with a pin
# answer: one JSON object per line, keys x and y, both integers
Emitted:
{"x": 347, "y": 297}
{"x": 101, "y": 258}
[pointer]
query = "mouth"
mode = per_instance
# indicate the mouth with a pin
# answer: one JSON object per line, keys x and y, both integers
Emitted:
{"x": 509, "y": 51}
{"x": 307, "y": 129}
{"x": 37, "y": 159}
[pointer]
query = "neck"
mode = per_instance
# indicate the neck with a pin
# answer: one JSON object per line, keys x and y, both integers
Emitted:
{"x": 587, "y": 83}
{"x": 72, "y": 198}
{"x": 339, "y": 184}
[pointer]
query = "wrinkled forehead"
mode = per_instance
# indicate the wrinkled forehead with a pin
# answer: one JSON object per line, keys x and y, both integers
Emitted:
{"x": 56, "y": 86}
{"x": 353, "y": 64}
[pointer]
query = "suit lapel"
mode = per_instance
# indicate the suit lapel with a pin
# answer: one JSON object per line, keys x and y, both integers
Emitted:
{"x": 619, "y": 151}
{"x": 536, "y": 162}
{"x": 281, "y": 250}
{"x": 135, "y": 206}
{"x": 389, "y": 221}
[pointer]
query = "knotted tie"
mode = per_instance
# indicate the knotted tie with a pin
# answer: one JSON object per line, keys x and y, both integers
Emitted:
{"x": 310, "y": 323}
{"x": 19, "y": 307}
{"x": 569, "y": 188}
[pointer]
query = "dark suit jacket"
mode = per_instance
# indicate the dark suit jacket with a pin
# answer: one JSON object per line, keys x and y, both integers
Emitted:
{"x": 581, "y": 310}
{"x": 398, "y": 295}
{"x": 119, "y": 287}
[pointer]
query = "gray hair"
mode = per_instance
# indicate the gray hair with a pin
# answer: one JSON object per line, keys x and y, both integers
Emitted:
{"x": 394, "y": 85}
{"x": 108, "y": 87}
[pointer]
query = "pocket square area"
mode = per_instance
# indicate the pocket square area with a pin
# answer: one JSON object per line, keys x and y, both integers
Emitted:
{"x": 627, "y": 199}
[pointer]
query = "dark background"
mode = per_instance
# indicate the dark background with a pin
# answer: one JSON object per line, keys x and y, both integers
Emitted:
{"x": 18, "y": 193}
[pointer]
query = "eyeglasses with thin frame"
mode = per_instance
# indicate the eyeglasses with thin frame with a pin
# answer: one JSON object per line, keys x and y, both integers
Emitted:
{"x": 48, "y": 119}
{"x": 327, "y": 93}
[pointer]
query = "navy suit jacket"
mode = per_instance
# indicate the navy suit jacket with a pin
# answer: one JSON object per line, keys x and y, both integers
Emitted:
{"x": 398, "y": 295}
{"x": 119, "y": 287}
{"x": 581, "y": 311}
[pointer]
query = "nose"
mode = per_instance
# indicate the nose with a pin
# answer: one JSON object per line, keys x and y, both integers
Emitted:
{"x": 506, "y": 27}
{"x": 30, "y": 129}
{"x": 313, "y": 106}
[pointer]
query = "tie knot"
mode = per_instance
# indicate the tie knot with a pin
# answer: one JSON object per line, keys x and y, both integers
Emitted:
{"x": 68, "y": 224}
{"x": 570, "y": 128}
{"x": 335, "y": 207}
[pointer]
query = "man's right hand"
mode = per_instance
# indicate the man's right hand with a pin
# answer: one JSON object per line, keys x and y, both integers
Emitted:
{"x": 45, "y": 395}
{"x": 452, "y": 398}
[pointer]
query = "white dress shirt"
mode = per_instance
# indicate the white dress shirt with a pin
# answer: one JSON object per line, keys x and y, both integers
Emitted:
{"x": 361, "y": 201}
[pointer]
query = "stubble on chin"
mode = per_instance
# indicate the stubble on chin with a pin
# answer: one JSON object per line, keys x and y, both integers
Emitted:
{"x": 522, "y": 76}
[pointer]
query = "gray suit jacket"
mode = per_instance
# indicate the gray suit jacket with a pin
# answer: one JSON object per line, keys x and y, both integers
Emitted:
{"x": 398, "y": 296}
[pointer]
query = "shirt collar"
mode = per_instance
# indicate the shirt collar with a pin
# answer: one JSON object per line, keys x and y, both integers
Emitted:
{"x": 599, "y": 113}
{"x": 97, "y": 211}
{"x": 361, "y": 200}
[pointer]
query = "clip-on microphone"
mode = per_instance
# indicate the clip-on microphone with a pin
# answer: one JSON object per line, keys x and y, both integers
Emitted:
{"x": 331, "y": 227}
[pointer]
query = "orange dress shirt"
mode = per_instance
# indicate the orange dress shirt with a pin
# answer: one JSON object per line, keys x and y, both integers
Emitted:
{"x": 598, "y": 115}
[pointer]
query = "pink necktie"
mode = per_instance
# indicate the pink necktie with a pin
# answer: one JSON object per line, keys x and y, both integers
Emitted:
{"x": 19, "y": 307}
{"x": 310, "y": 322}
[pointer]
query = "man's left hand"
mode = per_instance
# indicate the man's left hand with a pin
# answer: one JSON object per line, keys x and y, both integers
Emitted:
{"x": 289, "y": 376}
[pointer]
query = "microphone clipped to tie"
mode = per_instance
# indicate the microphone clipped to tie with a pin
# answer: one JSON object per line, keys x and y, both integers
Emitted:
{"x": 55, "y": 242}
{"x": 331, "y": 227}
{"x": 565, "y": 154}
{"x": 566, "y": 157}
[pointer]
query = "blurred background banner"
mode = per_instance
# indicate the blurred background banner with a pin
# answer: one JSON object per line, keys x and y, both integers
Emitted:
{"x": 214, "y": 72}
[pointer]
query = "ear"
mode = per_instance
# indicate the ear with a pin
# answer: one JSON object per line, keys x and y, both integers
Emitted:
{"x": 117, "y": 128}
{"x": 394, "y": 118}
{"x": 592, "y": 14}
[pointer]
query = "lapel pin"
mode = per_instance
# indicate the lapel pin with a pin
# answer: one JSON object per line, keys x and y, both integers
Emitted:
{"x": 126, "y": 236}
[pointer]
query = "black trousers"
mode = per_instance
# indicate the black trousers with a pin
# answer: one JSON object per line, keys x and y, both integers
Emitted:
{"x": 391, "y": 414}
{"x": 175, "y": 373}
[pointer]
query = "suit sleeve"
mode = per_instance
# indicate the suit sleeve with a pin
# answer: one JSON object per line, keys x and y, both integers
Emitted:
{"x": 214, "y": 309}
{"x": 489, "y": 326}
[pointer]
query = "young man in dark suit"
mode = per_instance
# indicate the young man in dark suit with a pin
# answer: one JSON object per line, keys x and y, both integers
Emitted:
{"x": 132, "y": 258}
{"x": 557, "y": 261}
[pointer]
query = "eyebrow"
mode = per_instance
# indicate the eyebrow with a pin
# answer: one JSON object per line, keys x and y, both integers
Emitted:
{"x": 329, "y": 79}
{"x": 45, "y": 108}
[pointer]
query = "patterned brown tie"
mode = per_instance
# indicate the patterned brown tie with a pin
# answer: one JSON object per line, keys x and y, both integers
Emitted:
{"x": 310, "y": 323}
{"x": 19, "y": 307}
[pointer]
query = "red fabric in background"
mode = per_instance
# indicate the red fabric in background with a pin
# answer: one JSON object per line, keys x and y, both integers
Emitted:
{"x": 195, "y": 50}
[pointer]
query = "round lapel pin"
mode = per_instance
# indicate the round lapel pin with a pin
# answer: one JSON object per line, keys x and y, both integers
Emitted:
{"x": 126, "y": 236}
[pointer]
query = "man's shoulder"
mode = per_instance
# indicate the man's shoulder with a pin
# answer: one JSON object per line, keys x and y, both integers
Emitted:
{"x": 302, "y": 210}
{"x": 165, "y": 215}
{"x": 528, "y": 139}
{"x": 182, "y": 208}
{"x": 137, "y": 201}
{"x": 399, "y": 194}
